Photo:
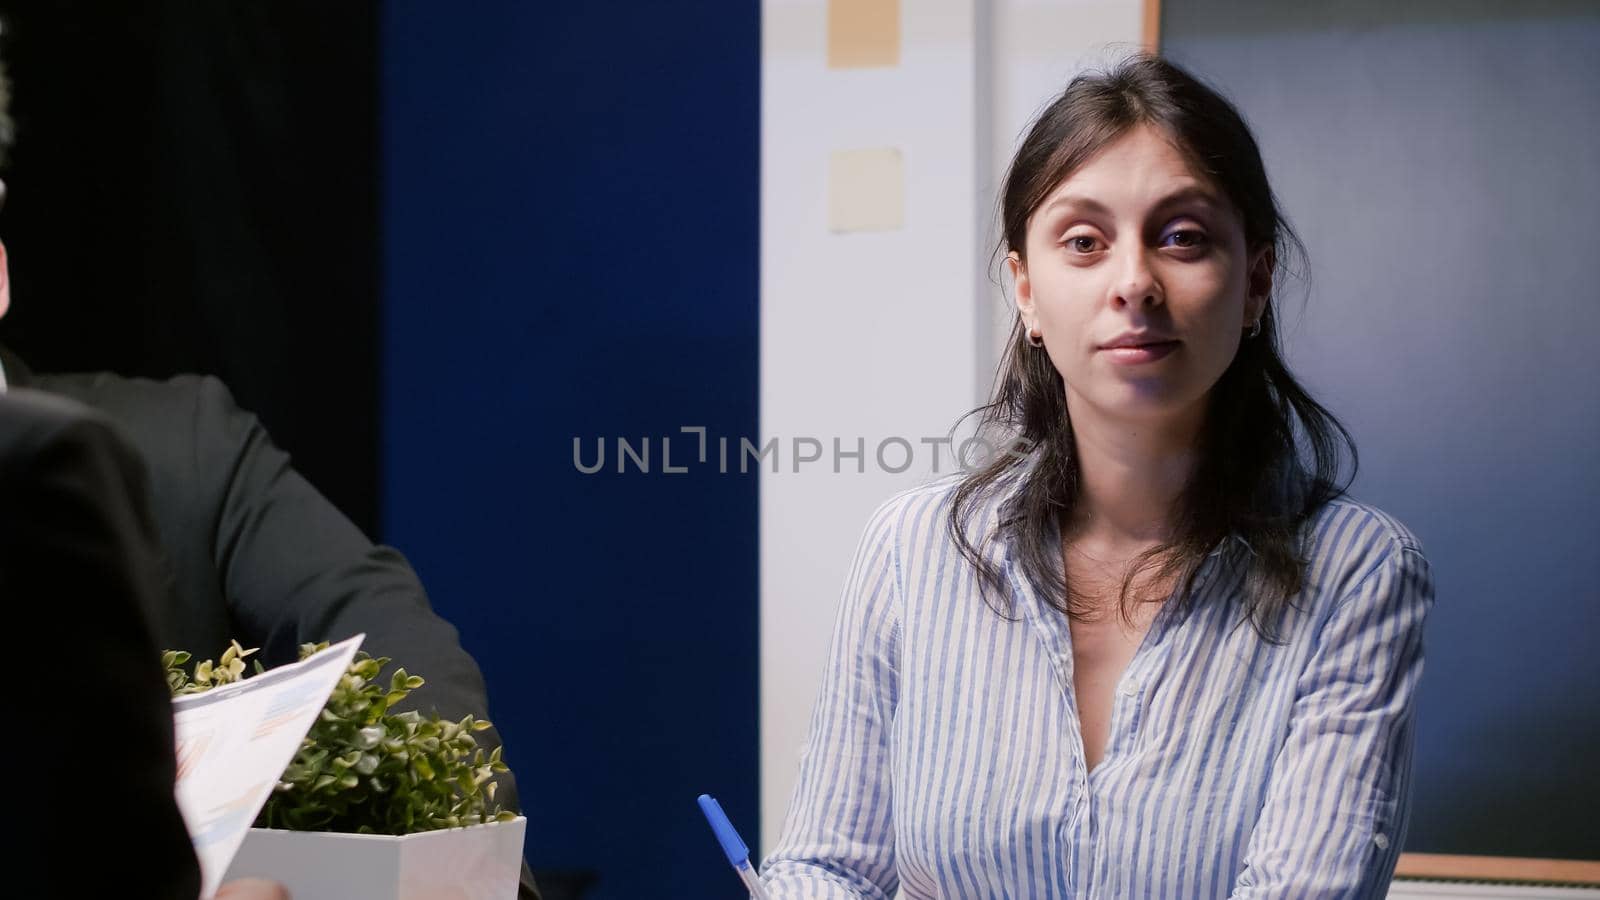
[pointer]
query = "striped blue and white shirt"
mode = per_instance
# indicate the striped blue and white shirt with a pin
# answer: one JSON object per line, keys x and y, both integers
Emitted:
{"x": 945, "y": 757}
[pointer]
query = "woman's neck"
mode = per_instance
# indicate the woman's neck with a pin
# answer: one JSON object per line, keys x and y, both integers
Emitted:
{"x": 1131, "y": 476}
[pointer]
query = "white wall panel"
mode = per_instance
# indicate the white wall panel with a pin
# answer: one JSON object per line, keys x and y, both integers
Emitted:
{"x": 875, "y": 334}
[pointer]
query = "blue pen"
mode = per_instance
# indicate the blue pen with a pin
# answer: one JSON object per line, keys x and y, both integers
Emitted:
{"x": 733, "y": 845}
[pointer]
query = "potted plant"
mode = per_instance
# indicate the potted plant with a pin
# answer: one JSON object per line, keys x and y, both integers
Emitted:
{"x": 376, "y": 804}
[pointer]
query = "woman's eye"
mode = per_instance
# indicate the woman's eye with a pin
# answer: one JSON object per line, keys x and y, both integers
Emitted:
{"x": 1082, "y": 243}
{"x": 1185, "y": 239}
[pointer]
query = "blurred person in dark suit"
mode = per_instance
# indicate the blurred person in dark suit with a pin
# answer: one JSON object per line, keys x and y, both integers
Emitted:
{"x": 249, "y": 550}
{"x": 252, "y": 551}
{"x": 78, "y": 569}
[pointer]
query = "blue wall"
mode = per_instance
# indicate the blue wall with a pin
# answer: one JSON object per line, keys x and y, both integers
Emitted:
{"x": 1437, "y": 157}
{"x": 571, "y": 251}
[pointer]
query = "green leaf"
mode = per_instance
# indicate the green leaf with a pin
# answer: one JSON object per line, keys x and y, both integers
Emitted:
{"x": 363, "y": 768}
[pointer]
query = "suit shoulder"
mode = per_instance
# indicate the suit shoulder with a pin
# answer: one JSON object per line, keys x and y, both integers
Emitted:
{"x": 37, "y": 412}
{"x": 167, "y": 399}
{"x": 31, "y": 421}
{"x": 52, "y": 442}
{"x": 187, "y": 428}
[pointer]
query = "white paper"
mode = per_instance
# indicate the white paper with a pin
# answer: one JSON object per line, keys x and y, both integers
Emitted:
{"x": 233, "y": 743}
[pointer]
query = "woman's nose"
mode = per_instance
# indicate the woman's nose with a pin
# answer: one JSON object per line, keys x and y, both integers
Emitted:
{"x": 1136, "y": 283}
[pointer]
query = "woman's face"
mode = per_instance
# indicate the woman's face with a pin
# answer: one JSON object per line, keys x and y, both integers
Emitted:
{"x": 1133, "y": 248}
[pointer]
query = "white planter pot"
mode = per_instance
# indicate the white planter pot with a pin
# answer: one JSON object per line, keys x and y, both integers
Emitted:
{"x": 482, "y": 862}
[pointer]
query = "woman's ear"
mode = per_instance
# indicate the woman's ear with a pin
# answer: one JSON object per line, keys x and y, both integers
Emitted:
{"x": 1258, "y": 283}
{"x": 1022, "y": 288}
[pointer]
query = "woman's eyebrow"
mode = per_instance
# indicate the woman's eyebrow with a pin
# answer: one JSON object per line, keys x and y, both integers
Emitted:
{"x": 1078, "y": 201}
{"x": 1192, "y": 193}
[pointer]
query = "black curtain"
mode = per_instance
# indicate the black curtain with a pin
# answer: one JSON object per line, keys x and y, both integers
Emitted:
{"x": 194, "y": 188}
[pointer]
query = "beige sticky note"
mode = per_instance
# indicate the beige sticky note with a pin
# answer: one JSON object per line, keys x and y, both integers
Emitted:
{"x": 866, "y": 190}
{"x": 863, "y": 33}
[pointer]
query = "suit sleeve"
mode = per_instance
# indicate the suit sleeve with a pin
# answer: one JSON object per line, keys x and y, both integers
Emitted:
{"x": 838, "y": 839}
{"x": 77, "y": 552}
{"x": 1338, "y": 804}
{"x": 295, "y": 570}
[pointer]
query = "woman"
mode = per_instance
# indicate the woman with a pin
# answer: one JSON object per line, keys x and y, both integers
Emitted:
{"x": 1039, "y": 683}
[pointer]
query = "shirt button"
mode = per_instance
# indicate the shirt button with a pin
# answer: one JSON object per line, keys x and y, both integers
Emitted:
{"x": 1382, "y": 840}
{"x": 1131, "y": 689}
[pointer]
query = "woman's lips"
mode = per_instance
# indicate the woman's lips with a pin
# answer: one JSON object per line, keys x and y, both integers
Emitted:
{"x": 1143, "y": 353}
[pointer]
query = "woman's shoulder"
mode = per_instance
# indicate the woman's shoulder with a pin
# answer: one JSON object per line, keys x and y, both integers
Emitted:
{"x": 1345, "y": 521}
{"x": 932, "y": 501}
{"x": 914, "y": 506}
{"x": 1345, "y": 541}
{"x": 916, "y": 520}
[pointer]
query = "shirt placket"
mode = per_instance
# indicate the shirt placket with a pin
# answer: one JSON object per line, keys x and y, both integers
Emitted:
{"x": 1127, "y": 716}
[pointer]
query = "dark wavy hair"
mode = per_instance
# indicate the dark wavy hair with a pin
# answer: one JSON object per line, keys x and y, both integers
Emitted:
{"x": 1269, "y": 455}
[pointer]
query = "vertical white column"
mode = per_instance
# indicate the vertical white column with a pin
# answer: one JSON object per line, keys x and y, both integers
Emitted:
{"x": 867, "y": 335}
{"x": 864, "y": 335}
